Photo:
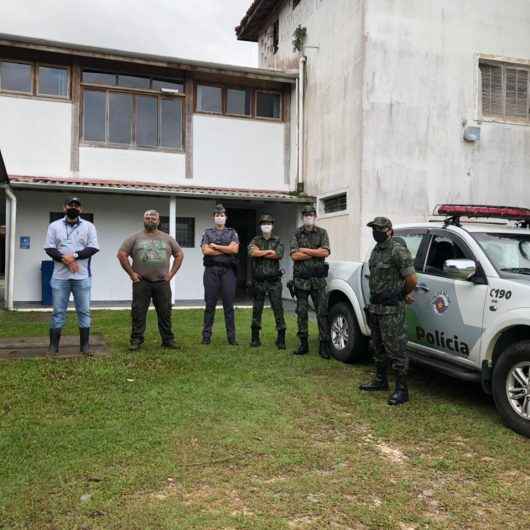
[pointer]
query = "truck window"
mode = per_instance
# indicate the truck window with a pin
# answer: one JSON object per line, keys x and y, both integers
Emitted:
{"x": 442, "y": 248}
{"x": 412, "y": 239}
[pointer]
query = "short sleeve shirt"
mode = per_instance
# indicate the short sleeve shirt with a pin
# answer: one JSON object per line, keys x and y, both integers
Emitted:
{"x": 224, "y": 237}
{"x": 151, "y": 253}
{"x": 68, "y": 239}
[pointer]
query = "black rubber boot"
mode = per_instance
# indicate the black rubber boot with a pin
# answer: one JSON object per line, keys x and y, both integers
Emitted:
{"x": 206, "y": 340}
{"x": 232, "y": 341}
{"x": 280, "y": 339}
{"x": 170, "y": 345}
{"x": 323, "y": 350}
{"x": 84, "y": 341}
{"x": 401, "y": 394}
{"x": 135, "y": 345}
{"x": 380, "y": 381}
{"x": 303, "y": 348}
{"x": 255, "y": 342}
{"x": 55, "y": 337}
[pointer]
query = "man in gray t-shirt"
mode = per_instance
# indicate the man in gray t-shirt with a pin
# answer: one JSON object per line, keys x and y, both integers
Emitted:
{"x": 151, "y": 251}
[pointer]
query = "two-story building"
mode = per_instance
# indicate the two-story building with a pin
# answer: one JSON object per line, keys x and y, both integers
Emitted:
{"x": 407, "y": 103}
{"x": 128, "y": 132}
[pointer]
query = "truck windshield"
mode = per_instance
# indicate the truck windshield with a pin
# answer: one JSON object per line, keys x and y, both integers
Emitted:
{"x": 509, "y": 253}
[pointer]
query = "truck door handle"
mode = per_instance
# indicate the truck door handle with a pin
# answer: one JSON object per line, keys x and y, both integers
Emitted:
{"x": 423, "y": 287}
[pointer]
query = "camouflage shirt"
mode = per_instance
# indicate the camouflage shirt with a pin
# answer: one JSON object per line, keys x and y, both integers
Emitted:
{"x": 390, "y": 262}
{"x": 315, "y": 238}
{"x": 263, "y": 267}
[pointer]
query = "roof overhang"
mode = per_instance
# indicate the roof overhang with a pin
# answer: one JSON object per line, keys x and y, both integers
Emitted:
{"x": 162, "y": 61}
{"x": 256, "y": 16}
{"x": 146, "y": 188}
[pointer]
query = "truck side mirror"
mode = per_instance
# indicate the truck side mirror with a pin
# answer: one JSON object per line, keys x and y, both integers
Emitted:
{"x": 460, "y": 269}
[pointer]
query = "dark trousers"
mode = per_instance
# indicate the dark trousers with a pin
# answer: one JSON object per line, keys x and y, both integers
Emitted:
{"x": 274, "y": 290}
{"x": 320, "y": 301}
{"x": 219, "y": 281}
{"x": 143, "y": 293}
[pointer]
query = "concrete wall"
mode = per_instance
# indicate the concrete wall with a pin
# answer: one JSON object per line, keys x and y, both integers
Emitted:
{"x": 116, "y": 217}
{"x": 35, "y": 136}
{"x": 421, "y": 82}
{"x": 238, "y": 153}
{"x": 333, "y": 104}
{"x": 132, "y": 165}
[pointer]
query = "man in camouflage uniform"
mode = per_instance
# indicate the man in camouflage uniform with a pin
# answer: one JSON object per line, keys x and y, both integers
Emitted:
{"x": 266, "y": 251}
{"x": 309, "y": 249}
{"x": 392, "y": 280}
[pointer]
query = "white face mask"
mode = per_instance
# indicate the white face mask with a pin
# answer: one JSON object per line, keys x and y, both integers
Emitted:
{"x": 266, "y": 229}
{"x": 219, "y": 220}
{"x": 309, "y": 220}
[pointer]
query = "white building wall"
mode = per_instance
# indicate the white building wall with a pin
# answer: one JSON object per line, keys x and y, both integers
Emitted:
{"x": 132, "y": 165}
{"x": 35, "y": 136}
{"x": 421, "y": 83}
{"x": 333, "y": 104}
{"x": 238, "y": 153}
{"x": 115, "y": 217}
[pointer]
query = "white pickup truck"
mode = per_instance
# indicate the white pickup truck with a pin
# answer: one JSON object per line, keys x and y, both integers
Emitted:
{"x": 471, "y": 315}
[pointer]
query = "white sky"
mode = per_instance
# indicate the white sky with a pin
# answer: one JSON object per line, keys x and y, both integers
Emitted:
{"x": 200, "y": 29}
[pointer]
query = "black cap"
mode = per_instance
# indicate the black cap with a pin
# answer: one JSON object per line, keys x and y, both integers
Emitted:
{"x": 219, "y": 208}
{"x": 71, "y": 200}
{"x": 308, "y": 210}
{"x": 266, "y": 218}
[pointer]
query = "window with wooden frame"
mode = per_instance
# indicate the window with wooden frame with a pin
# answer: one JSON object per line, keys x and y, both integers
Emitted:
{"x": 505, "y": 91}
{"x": 132, "y": 111}
{"x": 34, "y": 79}
{"x": 238, "y": 101}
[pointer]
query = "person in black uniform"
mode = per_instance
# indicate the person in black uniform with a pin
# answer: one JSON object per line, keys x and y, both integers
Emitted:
{"x": 220, "y": 246}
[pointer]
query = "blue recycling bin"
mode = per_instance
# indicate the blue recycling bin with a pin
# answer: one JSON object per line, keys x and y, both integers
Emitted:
{"x": 46, "y": 271}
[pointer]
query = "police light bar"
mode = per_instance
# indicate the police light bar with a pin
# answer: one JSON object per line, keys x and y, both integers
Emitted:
{"x": 476, "y": 210}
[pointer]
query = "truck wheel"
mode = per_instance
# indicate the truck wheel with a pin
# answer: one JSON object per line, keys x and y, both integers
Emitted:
{"x": 347, "y": 341}
{"x": 511, "y": 387}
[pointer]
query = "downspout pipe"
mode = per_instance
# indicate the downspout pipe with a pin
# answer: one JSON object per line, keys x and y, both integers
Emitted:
{"x": 10, "y": 287}
{"x": 301, "y": 91}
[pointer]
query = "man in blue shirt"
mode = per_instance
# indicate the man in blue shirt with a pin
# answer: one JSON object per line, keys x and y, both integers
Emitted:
{"x": 71, "y": 242}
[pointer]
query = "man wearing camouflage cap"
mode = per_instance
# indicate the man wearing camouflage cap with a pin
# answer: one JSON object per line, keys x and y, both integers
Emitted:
{"x": 220, "y": 246}
{"x": 392, "y": 281}
{"x": 309, "y": 250}
{"x": 266, "y": 251}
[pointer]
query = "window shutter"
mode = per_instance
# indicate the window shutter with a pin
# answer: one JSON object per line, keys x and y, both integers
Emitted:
{"x": 492, "y": 91}
{"x": 516, "y": 93}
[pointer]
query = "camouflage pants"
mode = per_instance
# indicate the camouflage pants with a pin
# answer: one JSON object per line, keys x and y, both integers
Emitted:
{"x": 274, "y": 290}
{"x": 389, "y": 339}
{"x": 320, "y": 302}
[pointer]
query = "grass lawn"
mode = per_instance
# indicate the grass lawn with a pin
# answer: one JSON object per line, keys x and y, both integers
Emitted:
{"x": 218, "y": 437}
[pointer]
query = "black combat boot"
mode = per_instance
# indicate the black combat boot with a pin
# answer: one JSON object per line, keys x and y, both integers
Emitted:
{"x": 55, "y": 337}
{"x": 303, "y": 348}
{"x": 232, "y": 341}
{"x": 401, "y": 394}
{"x": 170, "y": 345}
{"x": 280, "y": 339}
{"x": 323, "y": 350}
{"x": 255, "y": 342}
{"x": 84, "y": 339}
{"x": 380, "y": 381}
{"x": 135, "y": 345}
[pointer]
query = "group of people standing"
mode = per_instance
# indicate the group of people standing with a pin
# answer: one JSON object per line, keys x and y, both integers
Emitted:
{"x": 146, "y": 257}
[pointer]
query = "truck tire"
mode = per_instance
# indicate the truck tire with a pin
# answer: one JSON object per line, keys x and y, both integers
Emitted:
{"x": 347, "y": 342}
{"x": 511, "y": 387}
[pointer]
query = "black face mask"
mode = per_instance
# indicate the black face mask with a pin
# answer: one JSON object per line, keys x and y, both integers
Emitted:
{"x": 379, "y": 236}
{"x": 72, "y": 213}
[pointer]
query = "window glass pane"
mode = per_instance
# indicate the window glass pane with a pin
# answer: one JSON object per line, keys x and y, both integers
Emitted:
{"x": 238, "y": 102}
{"x": 268, "y": 105}
{"x": 209, "y": 98}
{"x": 185, "y": 231}
{"x": 335, "y": 204}
{"x": 94, "y": 115}
{"x": 120, "y": 118}
{"x": 171, "y": 122}
{"x": 133, "y": 81}
{"x": 442, "y": 249}
{"x": 146, "y": 122}
{"x": 157, "y": 84}
{"x": 99, "y": 78}
{"x": 16, "y": 76}
{"x": 516, "y": 93}
{"x": 53, "y": 81}
{"x": 411, "y": 241}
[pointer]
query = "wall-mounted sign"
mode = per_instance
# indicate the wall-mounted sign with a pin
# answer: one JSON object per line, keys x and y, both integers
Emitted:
{"x": 25, "y": 242}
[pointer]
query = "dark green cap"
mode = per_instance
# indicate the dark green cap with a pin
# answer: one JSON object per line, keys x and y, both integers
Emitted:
{"x": 219, "y": 208}
{"x": 266, "y": 218}
{"x": 308, "y": 210}
{"x": 381, "y": 223}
